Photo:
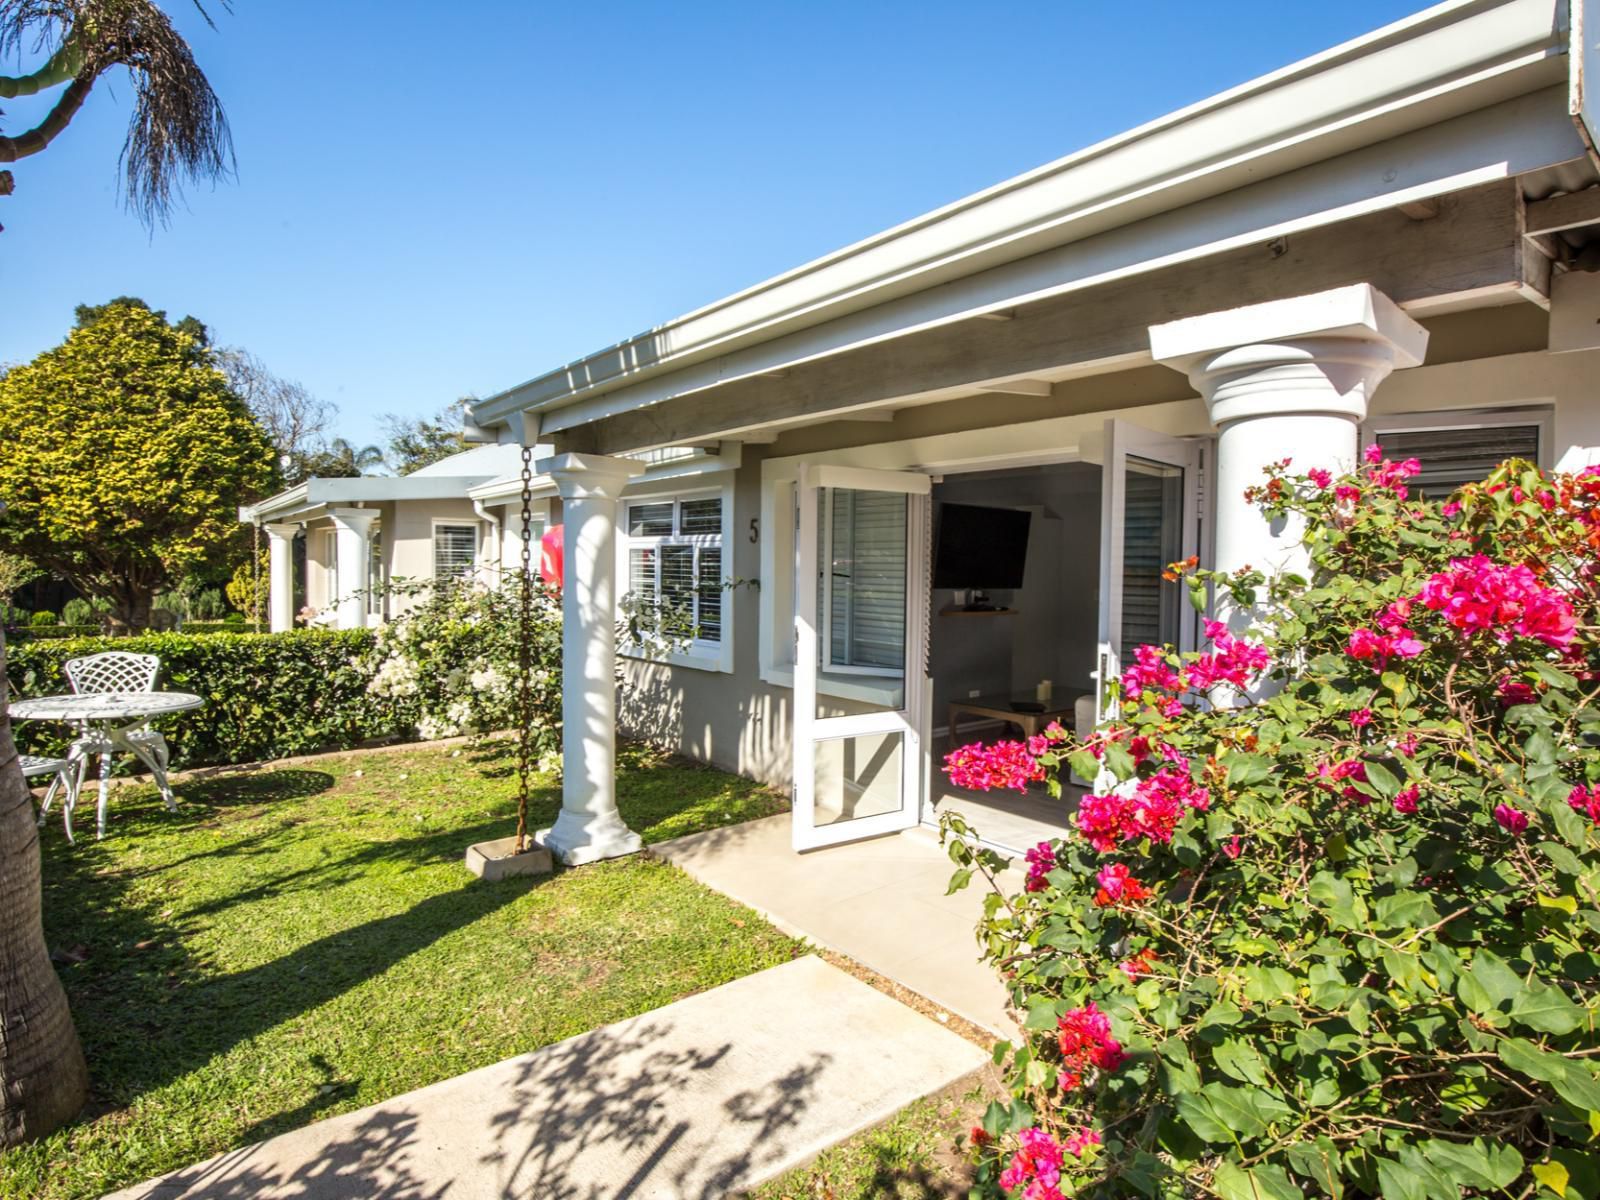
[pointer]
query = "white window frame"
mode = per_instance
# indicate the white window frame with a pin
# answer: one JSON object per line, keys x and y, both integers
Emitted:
{"x": 700, "y": 654}
{"x": 825, "y": 616}
{"x": 1542, "y": 415}
{"x": 455, "y": 523}
{"x": 377, "y": 574}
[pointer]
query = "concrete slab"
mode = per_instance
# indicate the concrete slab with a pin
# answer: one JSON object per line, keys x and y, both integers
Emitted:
{"x": 706, "y": 1096}
{"x": 881, "y": 902}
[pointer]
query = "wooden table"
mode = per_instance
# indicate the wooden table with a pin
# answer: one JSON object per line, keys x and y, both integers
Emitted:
{"x": 1059, "y": 707}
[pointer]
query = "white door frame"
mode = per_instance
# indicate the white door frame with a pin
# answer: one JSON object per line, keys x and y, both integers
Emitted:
{"x": 1125, "y": 440}
{"x": 909, "y": 720}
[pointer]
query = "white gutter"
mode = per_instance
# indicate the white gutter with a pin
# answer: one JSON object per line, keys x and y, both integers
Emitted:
{"x": 494, "y": 523}
{"x": 1448, "y": 60}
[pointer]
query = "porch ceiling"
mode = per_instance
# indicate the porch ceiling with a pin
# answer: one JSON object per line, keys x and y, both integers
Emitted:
{"x": 1466, "y": 249}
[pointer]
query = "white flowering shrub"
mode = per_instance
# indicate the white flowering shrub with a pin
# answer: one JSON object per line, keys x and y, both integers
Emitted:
{"x": 448, "y": 666}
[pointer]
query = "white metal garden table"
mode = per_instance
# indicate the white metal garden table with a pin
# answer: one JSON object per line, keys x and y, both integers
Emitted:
{"x": 104, "y": 720}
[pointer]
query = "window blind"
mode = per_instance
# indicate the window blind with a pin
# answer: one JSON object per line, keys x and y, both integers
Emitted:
{"x": 455, "y": 549}
{"x": 1453, "y": 457}
{"x": 1152, "y": 521}
{"x": 867, "y": 616}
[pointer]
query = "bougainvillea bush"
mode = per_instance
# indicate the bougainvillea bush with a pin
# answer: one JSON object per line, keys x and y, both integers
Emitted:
{"x": 1328, "y": 922}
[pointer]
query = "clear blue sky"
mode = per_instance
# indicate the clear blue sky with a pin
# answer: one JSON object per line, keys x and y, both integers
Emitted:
{"x": 442, "y": 199}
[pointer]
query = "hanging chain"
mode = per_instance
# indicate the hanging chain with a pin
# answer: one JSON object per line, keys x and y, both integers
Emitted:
{"x": 255, "y": 576}
{"x": 524, "y": 703}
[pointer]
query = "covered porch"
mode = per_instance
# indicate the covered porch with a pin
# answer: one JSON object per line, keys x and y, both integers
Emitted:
{"x": 1317, "y": 261}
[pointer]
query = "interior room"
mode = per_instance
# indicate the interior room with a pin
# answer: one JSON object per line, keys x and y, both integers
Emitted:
{"x": 1014, "y": 626}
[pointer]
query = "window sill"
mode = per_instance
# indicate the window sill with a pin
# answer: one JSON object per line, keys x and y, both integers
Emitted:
{"x": 695, "y": 660}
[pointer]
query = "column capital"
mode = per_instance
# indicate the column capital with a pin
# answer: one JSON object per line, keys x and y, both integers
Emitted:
{"x": 285, "y": 530}
{"x": 582, "y": 476}
{"x": 1319, "y": 353}
{"x": 358, "y": 520}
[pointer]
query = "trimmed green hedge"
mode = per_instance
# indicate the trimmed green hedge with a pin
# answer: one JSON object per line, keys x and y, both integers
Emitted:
{"x": 33, "y": 633}
{"x": 267, "y": 695}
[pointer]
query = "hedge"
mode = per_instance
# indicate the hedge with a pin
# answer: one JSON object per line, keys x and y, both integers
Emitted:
{"x": 266, "y": 695}
{"x": 30, "y": 633}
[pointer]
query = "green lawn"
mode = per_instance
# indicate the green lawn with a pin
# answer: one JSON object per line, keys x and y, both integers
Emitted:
{"x": 299, "y": 942}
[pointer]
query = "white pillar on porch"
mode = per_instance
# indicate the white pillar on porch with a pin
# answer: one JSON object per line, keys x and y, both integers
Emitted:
{"x": 280, "y": 576}
{"x": 1286, "y": 379}
{"x": 352, "y": 554}
{"x": 589, "y": 827}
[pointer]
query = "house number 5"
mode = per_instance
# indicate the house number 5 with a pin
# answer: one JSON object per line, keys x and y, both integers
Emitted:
{"x": 755, "y": 530}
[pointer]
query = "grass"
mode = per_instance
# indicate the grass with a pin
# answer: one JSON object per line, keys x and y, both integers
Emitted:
{"x": 302, "y": 941}
{"x": 911, "y": 1156}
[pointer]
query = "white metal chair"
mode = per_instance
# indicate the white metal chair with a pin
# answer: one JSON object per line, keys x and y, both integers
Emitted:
{"x": 115, "y": 672}
{"x": 61, "y": 768}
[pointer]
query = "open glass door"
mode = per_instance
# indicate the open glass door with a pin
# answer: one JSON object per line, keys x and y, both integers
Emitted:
{"x": 1149, "y": 517}
{"x": 861, "y": 619}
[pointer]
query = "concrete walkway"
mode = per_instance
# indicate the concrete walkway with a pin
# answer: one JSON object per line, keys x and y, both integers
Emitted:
{"x": 707, "y": 1096}
{"x": 881, "y": 902}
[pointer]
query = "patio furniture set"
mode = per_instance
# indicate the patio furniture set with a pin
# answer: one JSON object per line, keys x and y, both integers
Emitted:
{"x": 112, "y": 702}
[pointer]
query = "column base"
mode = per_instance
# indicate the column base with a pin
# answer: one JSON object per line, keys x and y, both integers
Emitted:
{"x": 577, "y": 838}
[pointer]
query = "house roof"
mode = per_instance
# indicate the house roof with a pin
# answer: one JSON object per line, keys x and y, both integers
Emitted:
{"x": 1453, "y": 58}
{"x": 449, "y": 478}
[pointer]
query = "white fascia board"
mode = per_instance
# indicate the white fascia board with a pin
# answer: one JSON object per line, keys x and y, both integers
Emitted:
{"x": 509, "y": 487}
{"x": 373, "y": 489}
{"x": 1445, "y": 61}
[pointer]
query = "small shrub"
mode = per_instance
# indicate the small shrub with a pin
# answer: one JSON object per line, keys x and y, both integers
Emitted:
{"x": 79, "y": 611}
{"x": 42, "y": 617}
{"x": 1337, "y": 934}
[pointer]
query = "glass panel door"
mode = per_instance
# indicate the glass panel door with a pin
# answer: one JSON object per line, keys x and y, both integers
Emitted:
{"x": 1150, "y": 517}
{"x": 861, "y": 604}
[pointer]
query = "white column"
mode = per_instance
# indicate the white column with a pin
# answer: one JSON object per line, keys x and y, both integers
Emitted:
{"x": 280, "y": 576}
{"x": 589, "y": 827}
{"x": 1286, "y": 379}
{"x": 352, "y": 551}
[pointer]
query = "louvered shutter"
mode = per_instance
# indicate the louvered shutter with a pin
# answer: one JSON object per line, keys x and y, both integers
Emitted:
{"x": 1152, "y": 514}
{"x": 867, "y": 619}
{"x": 1452, "y": 457}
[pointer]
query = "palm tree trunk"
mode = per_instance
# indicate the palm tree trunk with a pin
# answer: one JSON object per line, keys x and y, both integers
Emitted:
{"x": 43, "y": 1079}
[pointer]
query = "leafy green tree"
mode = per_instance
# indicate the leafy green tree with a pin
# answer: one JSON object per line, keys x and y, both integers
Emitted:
{"x": 127, "y": 457}
{"x": 15, "y": 571}
{"x": 85, "y": 315}
{"x": 340, "y": 459}
{"x": 419, "y": 442}
{"x": 177, "y": 128}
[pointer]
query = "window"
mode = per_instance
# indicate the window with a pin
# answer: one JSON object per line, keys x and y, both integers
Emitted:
{"x": 674, "y": 560}
{"x": 375, "y": 593}
{"x": 330, "y": 566}
{"x": 455, "y": 550}
{"x": 863, "y": 595}
{"x": 1460, "y": 447}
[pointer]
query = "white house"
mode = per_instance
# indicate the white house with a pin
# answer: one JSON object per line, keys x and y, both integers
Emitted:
{"x": 357, "y": 536}
{"x": 1391, "y": 241}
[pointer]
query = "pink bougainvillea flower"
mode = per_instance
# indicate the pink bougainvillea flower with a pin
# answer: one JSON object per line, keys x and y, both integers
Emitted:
{"x": 1476, "y": 595}
{"x": 1320, "y": 477}
{"x": 1406, "y": 800}
{"x": 1346, "y": 494}
{"x": 1586, "y": 800}
{"x": 1146, "y": 808}
{"x": 1373, "y": 453}
{"x": 1037, "y": 745}
{"x": 1036, "y": 1164}
{"x": 988, "y": 768}
{"x": 1233, "y": 661}
{"x": 1360, "y": 718}
{"x": 1512, "y": 692}
{"x": 1078, "y": 1143}
{"x": 1150, "y": 671}
{"x": 1041, "y": 861}
{"x": 1451, "y": 509}
{"x": 1118, "y": 886}
{"x": 1233, "y": 847}
{"x": 1084, "y": 1036}
{"x": 1408, "y": 745}
{"x": 1511, "y": 819}
{"x": 1140, "y": 964}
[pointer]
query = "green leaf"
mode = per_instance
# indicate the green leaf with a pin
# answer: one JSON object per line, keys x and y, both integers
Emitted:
{"x": 1400, "y": 1182}
{"x": 1265, "y": 1182}
{"x": 1239, "y": 1058}
{"x": 1042, "y": 1015}
{"x": 1477, "y": 1163}
{"x": 1572, "y": 1080}
{"x": 1223, "y": 1012}
{"x": 1553, "y": 1175}
{"x": 1380, "y": 777}
{"x": 1487, "y": 983}
{"x": 958, "y": 881}
{"x": 1245, "y": 769}
{"x": 1246, "y": 1111}
{"x": 1338, "y": 898}
{"x": 1545, "y": 1008}
{"x": 1196, "y": 1112}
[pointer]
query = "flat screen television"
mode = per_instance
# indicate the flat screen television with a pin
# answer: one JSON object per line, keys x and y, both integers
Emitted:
{"x": 980, "y": 548}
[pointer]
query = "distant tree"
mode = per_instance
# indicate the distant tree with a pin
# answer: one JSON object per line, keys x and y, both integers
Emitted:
{"x": 295, "y": 421}
{"x": 15, "y": 571}
{"x": 416, "y": 442}
{"x": 126, "y": 459}
{"x": 340, "y": 459}
{"x": 177, "y": 130}
{"x": 85, "y": 315}
{"x": 250, "y": 589}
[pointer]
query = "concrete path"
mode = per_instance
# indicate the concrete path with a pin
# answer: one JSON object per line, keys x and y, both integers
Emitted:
{"x": 881, "y": 902}
{"x": 707, "y": 1096}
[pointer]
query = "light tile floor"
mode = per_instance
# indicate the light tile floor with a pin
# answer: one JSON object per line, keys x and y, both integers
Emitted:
{"x": 880, "y": 902}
